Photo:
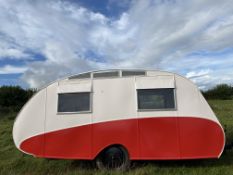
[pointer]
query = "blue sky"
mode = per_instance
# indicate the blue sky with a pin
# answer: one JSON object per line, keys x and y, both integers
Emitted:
{"x": 41, "y": 41}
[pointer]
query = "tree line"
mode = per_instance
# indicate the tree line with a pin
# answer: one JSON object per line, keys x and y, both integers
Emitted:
{"x": 221, "y": 91}
{"x": 12, "y": 98}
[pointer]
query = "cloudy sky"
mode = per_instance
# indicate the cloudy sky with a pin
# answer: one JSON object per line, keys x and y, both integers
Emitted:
{"x": 42, "y": 40}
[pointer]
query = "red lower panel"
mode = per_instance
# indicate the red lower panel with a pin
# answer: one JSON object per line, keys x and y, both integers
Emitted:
{"x": 66, "y": 143}
{"x": 200, "y": 138}
{"x": 34, "y": 145}
{"x": 124, "y": 132}
{"x": 69, "y": 143}
{"x": 147, "y": 138}
{"x": 159, "y": 138}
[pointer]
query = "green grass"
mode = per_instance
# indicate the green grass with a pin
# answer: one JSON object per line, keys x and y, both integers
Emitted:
{"x": 13, "y": 161}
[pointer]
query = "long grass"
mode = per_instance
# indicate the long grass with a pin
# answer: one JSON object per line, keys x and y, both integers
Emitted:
{"x": 13, "y": 161}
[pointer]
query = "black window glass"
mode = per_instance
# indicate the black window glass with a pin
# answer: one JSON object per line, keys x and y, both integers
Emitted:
{"x": 106, "y": 74}
{"x": 156, "y": 98}
{"x": 81, "y": 76}
{"x": 74, "y": 102}
{"x": 133, "y": 73}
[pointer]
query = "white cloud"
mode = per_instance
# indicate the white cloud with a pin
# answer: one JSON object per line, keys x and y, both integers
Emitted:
{"x": 12, "y": 53}
{"x": 8, "y": 69}
{"x": 150, "y": 34}
{"x": 9, "y": 49}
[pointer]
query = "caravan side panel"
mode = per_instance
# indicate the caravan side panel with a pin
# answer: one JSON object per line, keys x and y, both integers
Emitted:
{"x": 114, "y": 115}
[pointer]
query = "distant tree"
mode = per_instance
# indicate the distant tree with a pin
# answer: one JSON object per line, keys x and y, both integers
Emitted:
{"x": 221, "y": 91}
{"x": 14, "y": 97}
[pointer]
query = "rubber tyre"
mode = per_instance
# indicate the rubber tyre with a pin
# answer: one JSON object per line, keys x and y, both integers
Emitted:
{"x": 113, "y": 158}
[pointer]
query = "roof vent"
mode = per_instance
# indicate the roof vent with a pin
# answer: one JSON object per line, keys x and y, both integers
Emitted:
{"x": 81, "y": 76}
{"x": 132, "y": 73}
{"x": 106, "y": 74}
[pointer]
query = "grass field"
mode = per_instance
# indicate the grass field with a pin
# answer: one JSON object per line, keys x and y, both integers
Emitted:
{"x": 13, "y": 161}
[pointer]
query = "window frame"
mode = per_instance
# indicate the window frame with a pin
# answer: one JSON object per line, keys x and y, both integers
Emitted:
{"x": 81, "y": 76}
{"x": 133, "y": 75}
{"x": 76, "y": 112}
{"x": 105, "y": 77}
{"x": 159, "y": 109}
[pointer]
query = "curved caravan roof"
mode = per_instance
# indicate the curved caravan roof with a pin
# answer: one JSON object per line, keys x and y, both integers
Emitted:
{"x": 117, "y": 73}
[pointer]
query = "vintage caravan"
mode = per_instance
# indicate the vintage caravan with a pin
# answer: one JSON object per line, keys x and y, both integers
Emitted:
{"x": 114, "y": 116}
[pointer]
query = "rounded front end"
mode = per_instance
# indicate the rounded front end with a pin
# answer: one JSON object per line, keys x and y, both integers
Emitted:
{"x": 29, "y": 123}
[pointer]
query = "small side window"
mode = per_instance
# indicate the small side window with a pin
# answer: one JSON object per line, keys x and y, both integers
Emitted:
{"x": 156, "y": 99}
{"x": 74, "y": 102}
{"x": 81, "y": 76}
{"x": 106, "y": 74}
{"x": 126, "y": 73}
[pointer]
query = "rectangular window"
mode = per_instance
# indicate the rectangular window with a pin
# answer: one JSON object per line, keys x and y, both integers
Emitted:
{"x": 155, "y": 99}
{"x": 74, "y": 102}
{"x": 132, "y": 73}
{"x": 81, "y": 76}
{"x": 106, "y": 74}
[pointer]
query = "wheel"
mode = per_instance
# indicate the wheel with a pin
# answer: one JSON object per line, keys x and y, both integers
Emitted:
{"x": 115, "y": 157}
